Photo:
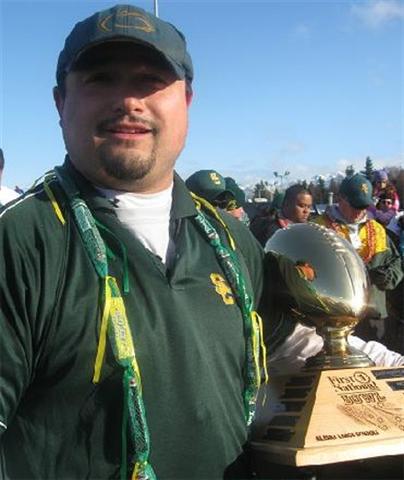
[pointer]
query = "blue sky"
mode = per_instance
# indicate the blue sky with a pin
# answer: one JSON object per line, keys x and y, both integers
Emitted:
{"x": 302, "y": 86}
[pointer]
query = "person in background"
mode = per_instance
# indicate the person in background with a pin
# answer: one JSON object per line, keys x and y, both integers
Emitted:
{"x": 210, "y": 185}
{"x": 385, "y": 209}
{"x": 349, "y": 219}
{"x": 236, "y": 203}
{"x": 6, "y": 194}
{"x": 223, "y": 193}
{"x": 395, "y": 229}
{"x": 296, "y": 208}
{"x": 386, "y": 201}
{"x": 382, "y": 186}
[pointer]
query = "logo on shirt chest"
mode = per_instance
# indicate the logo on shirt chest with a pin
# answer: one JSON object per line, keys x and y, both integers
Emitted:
{"x": 222, "y": 288}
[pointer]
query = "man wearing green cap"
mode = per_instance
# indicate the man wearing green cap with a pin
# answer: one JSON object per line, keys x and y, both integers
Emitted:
{"x": 210, "y": 185}
{"x": 129, "y": 344}
{"x": 221, "y": 192}
{"x": 349, "y": 219}
{"x": 235, "y": 205}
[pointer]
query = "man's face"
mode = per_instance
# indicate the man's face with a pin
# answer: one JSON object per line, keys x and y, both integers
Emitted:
{"x": 236, "y": 212}
{"x": 299, "y": 210}
{"x": 351, "y": 214}
{"x": 124, "y": 118}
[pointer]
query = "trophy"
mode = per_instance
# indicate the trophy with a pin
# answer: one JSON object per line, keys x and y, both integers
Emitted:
{"x": 340, "y": 406}
{"x": 323, "y": 284}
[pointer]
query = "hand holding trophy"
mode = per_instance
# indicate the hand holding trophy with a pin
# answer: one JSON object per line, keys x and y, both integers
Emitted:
{"x": 322, "y": 282}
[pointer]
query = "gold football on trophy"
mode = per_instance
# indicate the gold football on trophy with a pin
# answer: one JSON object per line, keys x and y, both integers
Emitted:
{"x": 322, "y": 281}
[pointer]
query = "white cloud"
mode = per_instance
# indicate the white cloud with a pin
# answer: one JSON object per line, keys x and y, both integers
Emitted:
{"x": 376, "y": 13}
{"x": 302, "y": 31}
{"x": 292, "y": 148}
{"x": 302, "y": 170}
{"x": 393, "y": 161}
{"x": 377, "y": 80}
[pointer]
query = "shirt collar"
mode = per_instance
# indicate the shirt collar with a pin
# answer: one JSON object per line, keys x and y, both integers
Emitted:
{"x": 182, "y": 206}
{"x": 335, "y": 214}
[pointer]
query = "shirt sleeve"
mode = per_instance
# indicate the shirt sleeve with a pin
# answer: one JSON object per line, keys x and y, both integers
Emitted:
{"x": 30, "y": 266}
{"x": 385, "y": 269}
{"x": 16, "y": 351}
{"x": 379, "y": 353}
{"x": 304, "y": 342}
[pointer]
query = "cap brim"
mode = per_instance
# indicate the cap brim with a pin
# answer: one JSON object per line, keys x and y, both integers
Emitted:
{"x": 361, "y": 206}
{"x": 179, "y": 72}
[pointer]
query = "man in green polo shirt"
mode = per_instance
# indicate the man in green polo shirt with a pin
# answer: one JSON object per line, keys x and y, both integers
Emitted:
{"x": 129, "y": 342}
{"x": 130, "y": 346}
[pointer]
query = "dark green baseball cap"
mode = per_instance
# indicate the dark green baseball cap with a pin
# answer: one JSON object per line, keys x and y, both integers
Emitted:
{"x": 131, "y": 24}
{"x": 357, "y": 191}
{"x": 238, "y": 193}
{"x": 208, "y": 184}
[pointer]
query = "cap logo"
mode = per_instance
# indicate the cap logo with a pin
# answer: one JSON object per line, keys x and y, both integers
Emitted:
{"x": 126, "y": 20}
{"x": 364, "y": 188}
{"x": 215, "y": 178}
{"x": 232, "y": 205}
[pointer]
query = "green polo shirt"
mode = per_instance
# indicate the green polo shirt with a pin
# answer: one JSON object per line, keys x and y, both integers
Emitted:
{"x": 188, "y": 337}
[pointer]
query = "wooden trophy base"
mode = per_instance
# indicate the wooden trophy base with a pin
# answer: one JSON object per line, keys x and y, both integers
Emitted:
{"x": 323, "y": 417}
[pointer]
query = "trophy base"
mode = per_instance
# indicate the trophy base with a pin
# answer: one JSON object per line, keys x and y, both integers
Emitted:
{"x": 353, "y": 358}
{"x": 324, "y": 417}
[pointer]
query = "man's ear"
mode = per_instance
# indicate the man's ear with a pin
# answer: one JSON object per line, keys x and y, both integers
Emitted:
{"x": 59, "y": 100}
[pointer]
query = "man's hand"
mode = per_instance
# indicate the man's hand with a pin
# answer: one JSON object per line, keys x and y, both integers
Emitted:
{"x": 306, "y": 270}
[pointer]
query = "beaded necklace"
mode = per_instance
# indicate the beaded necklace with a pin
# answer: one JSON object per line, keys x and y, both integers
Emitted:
{"x": 115, "y": 325}
{"x": 368, "y": 250}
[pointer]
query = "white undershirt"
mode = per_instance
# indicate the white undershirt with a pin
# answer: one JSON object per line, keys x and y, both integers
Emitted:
{"x": 147, "y": 216}
{"x": 353, "y": 228}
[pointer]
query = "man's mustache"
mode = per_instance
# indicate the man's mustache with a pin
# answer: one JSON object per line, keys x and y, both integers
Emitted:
{"x": 111, "y": 123}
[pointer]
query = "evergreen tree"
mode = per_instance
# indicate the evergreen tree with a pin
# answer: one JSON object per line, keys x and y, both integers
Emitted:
{"x": 321, "y": 189}
{"x": 277, "y": 200}
{"x": 349, "y": 171}
{"x": 368, "y": 172}
{"x": 333, "y": 186}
